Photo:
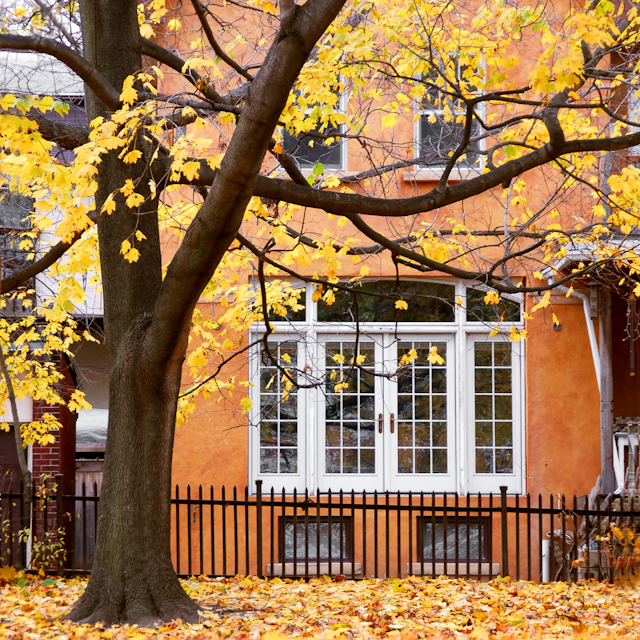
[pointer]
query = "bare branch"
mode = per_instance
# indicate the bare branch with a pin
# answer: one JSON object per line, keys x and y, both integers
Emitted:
{"x": 200, "y": 10}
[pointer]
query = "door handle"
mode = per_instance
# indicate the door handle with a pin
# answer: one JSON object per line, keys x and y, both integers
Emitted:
{"x": 393, "y": 426}
{"x": 379, "y": 423}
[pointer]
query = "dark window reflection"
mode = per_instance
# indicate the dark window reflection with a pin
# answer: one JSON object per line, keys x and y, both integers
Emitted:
{"x": 440, "y": 139}
{"x": 426, "y": 301}
{"x": 478, "y": 311}
{"x": 440, "y": 136}
{"x": 308, "y": 151}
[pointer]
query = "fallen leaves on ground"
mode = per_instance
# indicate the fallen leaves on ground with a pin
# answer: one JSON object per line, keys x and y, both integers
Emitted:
{"x": 251, "y": 609}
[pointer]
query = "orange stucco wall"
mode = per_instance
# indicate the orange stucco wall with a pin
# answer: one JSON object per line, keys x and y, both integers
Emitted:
{"x": 563, "y": 407}
{"x": 562, "y": 419}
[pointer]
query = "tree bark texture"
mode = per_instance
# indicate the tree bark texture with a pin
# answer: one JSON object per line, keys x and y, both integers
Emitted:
{"x": 133, "y": 580}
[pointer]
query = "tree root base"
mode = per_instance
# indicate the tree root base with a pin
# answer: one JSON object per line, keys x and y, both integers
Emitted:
{"x": 98, "y": 606}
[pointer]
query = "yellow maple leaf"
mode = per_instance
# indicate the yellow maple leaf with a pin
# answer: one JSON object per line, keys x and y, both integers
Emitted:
{"x": 132, "y": 157}
{"x": 109, "y": 205}
{"x": 434, "y": 357}
{"x": 134, "y": 200}
{"x": 492, "y": 297}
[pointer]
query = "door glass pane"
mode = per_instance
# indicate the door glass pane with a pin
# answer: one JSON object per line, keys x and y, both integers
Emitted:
{"x": 422, "y": 409}
{"x": 493, "y": 407}
{"x": 349, "y": 408}
{"x": 278, "y": 409}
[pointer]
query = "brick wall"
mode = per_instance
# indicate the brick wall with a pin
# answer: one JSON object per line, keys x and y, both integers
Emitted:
{"x": 57, "y": 458}
{"x": 60, "y": 456}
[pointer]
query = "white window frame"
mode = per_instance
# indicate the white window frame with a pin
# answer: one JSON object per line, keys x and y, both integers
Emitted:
{"x": 311, "y": 401}
{"x": 287, "y": 481}
{"x": 343, "y": 105}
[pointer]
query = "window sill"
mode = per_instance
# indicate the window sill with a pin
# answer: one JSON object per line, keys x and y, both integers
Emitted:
{"x": 300, "y": 569}
{"x": 450, "y": 570}
{"x": 433, "y": 175}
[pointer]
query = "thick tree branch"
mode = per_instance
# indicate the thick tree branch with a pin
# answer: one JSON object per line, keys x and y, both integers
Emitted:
{"x": 341, "y": 203}
{"x": 159, "y": 53}
{"x": 65, "y": 136}
{"x": 18, "y": 278}
{"x": 100, "y": 86}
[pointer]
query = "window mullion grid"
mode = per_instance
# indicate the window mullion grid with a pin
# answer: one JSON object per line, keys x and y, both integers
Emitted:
{"x": 498, "y": 397}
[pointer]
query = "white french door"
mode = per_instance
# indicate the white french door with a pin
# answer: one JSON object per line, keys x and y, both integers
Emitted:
{"x": 386, "y": 415}
{"x": 350, "y": 438}
{"x": 494, "y": 374}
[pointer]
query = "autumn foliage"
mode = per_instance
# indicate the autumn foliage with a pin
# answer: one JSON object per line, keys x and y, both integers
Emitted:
{"x": 339, "y": 609}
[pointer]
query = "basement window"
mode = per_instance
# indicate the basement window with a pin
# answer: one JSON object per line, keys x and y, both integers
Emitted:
{"x": 309, "y": 539}
{"x": 470, "y": 537}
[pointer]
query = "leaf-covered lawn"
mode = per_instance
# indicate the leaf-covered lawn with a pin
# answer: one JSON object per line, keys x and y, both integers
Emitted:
{"x": 248, "y": 608}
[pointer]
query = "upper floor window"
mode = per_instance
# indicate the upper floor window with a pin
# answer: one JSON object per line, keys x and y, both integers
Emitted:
{"x": 320, "y": 142}
{"x": 440, "y": 121}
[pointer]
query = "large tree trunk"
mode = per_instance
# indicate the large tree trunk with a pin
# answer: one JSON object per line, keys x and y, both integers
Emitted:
{"x": 133, "y": 579}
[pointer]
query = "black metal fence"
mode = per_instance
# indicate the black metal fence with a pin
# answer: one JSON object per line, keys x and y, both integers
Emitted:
{"x": 478, "y": 536}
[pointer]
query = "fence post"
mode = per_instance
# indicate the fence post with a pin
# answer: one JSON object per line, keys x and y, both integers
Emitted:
{"x": 504, "y": 535}
{"x": 59, "y": 517}
{"x": 259, "y": 525}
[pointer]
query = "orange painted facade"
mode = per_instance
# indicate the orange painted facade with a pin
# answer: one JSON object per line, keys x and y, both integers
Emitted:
{"x": 560, "y": 395}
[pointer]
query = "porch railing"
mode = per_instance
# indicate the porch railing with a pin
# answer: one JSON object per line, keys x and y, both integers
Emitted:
{"x": 355, "y": 535}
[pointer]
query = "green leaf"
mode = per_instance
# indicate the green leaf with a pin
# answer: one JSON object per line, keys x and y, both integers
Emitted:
{"x": 60, "y": 108}
{"x": 318, "y": 170}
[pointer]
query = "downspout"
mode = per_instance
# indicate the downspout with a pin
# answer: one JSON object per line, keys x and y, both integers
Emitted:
{"x": 593, "y": 343}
